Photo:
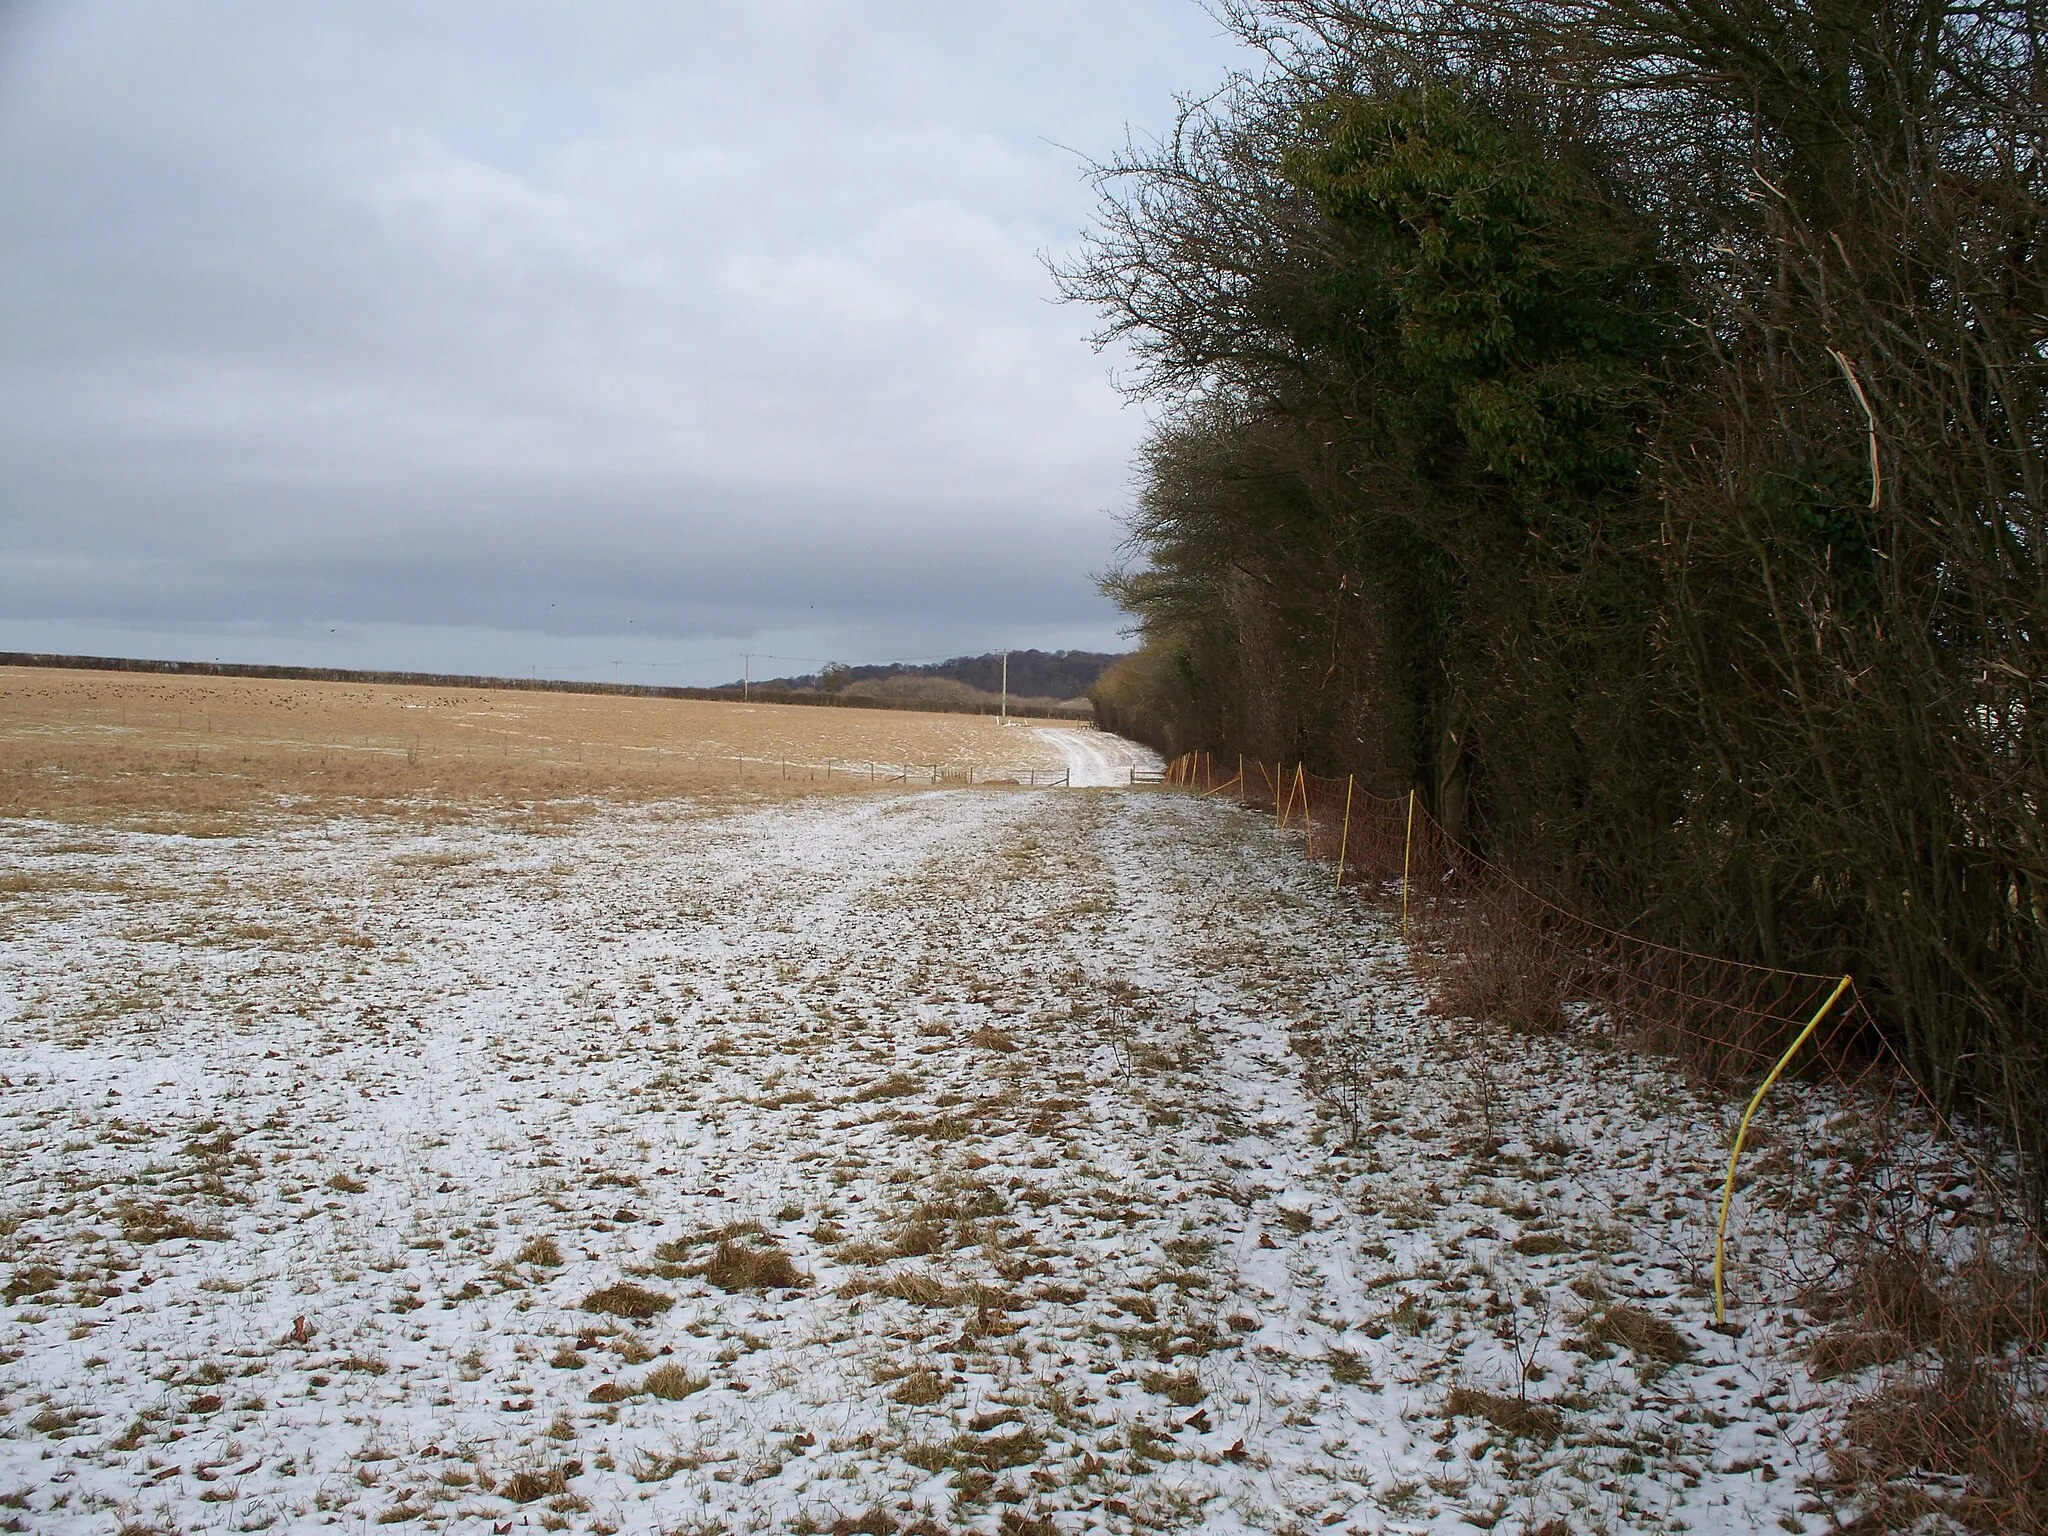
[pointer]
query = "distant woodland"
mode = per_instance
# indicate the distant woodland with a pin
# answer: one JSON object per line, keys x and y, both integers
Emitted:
{"x": 1039, "y": 679}
{"x": 1623, "y": 421}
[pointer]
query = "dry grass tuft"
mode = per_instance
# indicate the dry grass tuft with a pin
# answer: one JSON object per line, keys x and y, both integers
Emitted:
{"x": 676, "y": 1249}
{"x": 897, "y": 1085}
{"x": 541, "y": 1251}
{"x": 1178, "y": 1387}
{"x": 915, "y": 1286}
{"x": 1495, "y": 971}
{"x": 920, "y": 1389}
{"x": 757, "y": 1266}
{"x": 995, "y": 1453}
{"x": 1844, "y": 1351}
{"x": 625, "y": 1299}
{"x": 877, "y": 1521}
{"x": 919, "y": 1239}
{"x": 1510, "y": 1415}
{"x": 534, "y": 1483}
{"x": 1964, "y": 1426}
{"x": 30, "y": 1280}
{"x": 672, "y": 1383}
{"x": 1643, "y": 1334}
{"x": 959, "y": 1199}
{"x": 1347, "y": 1369}
{"x": 143, "y": 1223}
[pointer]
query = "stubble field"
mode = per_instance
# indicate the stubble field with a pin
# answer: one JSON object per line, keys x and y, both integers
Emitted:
{"x": 206, "y": 753}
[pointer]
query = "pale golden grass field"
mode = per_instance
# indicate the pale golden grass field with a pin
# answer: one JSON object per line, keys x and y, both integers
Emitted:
{"x": 206, "y": 754}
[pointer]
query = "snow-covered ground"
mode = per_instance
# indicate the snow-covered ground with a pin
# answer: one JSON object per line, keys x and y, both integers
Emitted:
{"x": 321, "y": 1152}
{"x": 1098, "y": 759}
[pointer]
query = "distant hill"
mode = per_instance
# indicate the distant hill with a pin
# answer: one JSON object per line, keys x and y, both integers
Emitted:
{"x": 902, "y": 690}
{"x": 1037, "y": 675}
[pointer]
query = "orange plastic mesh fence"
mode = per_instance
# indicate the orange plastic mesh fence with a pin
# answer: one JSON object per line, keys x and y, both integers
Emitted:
{"x": 1912, "y": 1195}
{"x": 1492, "y": 948}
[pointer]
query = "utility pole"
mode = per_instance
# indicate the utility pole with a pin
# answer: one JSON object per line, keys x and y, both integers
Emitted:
{"x": 1003, "y": 717}
{"x": 747, "y": 676}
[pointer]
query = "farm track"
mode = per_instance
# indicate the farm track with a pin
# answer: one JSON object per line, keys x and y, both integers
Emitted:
{"x": 326, "y": 1152}
{"x": 1098, "y": 759}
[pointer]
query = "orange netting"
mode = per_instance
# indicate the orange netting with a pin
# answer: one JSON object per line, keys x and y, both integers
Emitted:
{"x": 1933, "y": 1226}
{"x": 1492, "y": 948}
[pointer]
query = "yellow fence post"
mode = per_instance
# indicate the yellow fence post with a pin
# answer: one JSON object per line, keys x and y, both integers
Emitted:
{"x": 1742, "y": 1131}
{"x": 1407, "y": 850}
{"x": 1344, "y": 843}
{"x": 1243, "y": 795}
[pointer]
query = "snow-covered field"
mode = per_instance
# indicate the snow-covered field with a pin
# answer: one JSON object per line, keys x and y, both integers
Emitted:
{"x": 960, "y": 1149}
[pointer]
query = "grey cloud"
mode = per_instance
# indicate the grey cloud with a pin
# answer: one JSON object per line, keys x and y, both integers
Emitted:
{"x": 432, "y": 316}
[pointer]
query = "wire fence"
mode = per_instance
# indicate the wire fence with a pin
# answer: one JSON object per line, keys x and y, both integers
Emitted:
{"x": 1029, "y": 776}
{"x": 1936, "y": 1221}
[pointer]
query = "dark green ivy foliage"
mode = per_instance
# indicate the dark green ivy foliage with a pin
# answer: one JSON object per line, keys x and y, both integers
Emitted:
{"x": 1513, "y": 304}
{"x": 1625, "y": 424}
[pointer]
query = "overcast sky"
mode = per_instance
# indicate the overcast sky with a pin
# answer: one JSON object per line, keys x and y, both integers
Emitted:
{"x": 509, "y": 336}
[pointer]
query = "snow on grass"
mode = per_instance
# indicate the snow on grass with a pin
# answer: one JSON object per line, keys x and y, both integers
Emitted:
{"x": 948, "y": 1159}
